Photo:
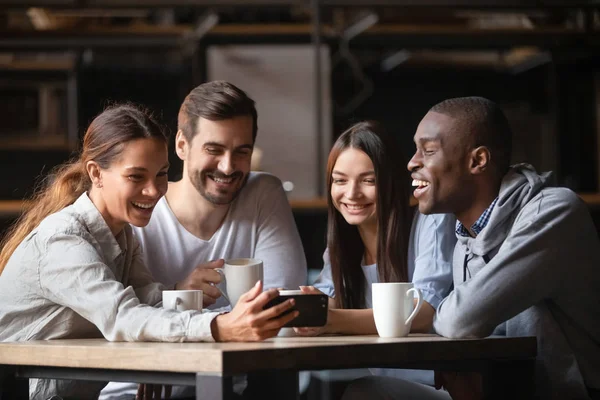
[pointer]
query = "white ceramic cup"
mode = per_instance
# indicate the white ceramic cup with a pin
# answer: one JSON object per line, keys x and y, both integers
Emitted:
{"x": 240, "y": 275}
{"x": 182, "y": 300}
{"x": 393, "y": 307}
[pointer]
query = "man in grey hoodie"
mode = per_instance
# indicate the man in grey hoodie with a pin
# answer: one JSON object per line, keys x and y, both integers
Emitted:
{"x": 527, "y": 260}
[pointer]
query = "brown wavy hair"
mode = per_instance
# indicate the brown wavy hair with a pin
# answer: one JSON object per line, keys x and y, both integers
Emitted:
{"x": 103, "y": 142}
{"x": 345, "y": 245}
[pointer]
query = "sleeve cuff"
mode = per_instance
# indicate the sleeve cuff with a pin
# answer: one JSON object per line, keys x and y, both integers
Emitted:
{"x": 430, "y": 297}
{"x": 199, "y": 329}
{"x": 326, "y": 289}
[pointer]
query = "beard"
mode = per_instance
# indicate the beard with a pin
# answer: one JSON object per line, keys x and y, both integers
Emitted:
{"x": 221, "y": 197}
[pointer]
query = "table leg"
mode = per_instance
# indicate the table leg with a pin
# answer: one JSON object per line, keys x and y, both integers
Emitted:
{"x": 509, "y": 380}
{"x": 213, "y": 387}
{"x": 12, "y": 387}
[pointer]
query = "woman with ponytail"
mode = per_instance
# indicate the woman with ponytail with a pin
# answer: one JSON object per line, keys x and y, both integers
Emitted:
{"x": 71, "y": 268}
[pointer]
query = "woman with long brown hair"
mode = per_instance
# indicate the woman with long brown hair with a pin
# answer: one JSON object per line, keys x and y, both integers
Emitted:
{"x": 375, "y": 236}
{"x": 71, "y": 268}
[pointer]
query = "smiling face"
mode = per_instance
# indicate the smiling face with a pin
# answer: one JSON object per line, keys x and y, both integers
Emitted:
{"x": 440, "y": 166}
{"x": 218, "y": 158}
{"x": 354, "y": 187}
{"x": 128, "y": 190}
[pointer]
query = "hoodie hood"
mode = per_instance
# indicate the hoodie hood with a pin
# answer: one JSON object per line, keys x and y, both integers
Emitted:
{"x": 518, "y": 187}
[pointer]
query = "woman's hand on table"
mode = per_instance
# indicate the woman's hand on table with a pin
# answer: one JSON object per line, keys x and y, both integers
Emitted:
{"x": 248, "y": 321}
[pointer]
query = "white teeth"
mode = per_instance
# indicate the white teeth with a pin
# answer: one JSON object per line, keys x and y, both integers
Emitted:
{"x": 355, "y": 206}
{"x": 142, "y": 205}
{"x": 221, "y": 180}
{"x": 419, "y": 183}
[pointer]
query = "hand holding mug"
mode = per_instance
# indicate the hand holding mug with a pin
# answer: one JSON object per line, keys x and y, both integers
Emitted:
{"x": 204, "y": 277}
{"x": 249, "y": 321}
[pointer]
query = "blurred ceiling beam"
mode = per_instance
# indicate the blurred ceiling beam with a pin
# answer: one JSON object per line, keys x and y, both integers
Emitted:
{"x": 475, "y": 4}
{"x": 377, "y": 37}
{"x": 64, "y": 61}
{"x": 147, "y": 3}
{"x": 102, "y": 12}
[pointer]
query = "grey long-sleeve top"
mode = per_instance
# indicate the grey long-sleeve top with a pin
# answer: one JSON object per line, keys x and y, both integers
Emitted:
{"x": 72, "y": 278}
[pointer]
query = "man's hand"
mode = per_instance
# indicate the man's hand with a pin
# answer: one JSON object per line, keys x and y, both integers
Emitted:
{"x": 460, "y": 385}
{"x": 204, "y": 278}
{"x": 248, "y": 321}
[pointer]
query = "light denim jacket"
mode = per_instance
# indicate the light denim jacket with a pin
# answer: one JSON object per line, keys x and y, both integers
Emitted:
{"x": 431, "y": 245}
{"x": 71, "y": 278}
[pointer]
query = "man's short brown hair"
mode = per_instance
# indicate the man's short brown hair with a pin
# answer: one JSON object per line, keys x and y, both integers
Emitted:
{"x": 215, "y": 101}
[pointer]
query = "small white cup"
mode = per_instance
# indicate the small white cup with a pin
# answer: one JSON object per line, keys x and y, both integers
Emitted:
{"x": 240, "y": 275}
{"x": 182, "y": 300}
{"x": 393, "y": 307}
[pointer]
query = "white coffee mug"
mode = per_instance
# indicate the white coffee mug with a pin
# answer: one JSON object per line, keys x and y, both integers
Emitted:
{"x": 240, "y": 275}
{"x": 182, "y": 300}
{"x": 393, "y": 307}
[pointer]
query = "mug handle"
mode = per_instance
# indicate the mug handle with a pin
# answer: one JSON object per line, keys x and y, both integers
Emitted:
{"x": 178, "y": 302}
{"x": 417, "y": 308}
{"x": 222, "y": 273}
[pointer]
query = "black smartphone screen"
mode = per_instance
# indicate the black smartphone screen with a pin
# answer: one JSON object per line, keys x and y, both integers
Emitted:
{"x": 312, "y": 307}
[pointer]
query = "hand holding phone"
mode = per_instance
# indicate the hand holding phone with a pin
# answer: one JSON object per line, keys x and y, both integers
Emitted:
{"x": 312, "y": 307}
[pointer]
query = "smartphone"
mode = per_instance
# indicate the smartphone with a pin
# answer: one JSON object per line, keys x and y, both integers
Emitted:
{"x": 312, "y": 307}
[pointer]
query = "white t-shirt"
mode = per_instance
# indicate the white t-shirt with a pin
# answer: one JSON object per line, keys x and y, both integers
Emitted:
{"x": 259, "y": 224}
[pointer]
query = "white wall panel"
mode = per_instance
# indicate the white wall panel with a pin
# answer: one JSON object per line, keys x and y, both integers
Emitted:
{"x": 280, "y": 78}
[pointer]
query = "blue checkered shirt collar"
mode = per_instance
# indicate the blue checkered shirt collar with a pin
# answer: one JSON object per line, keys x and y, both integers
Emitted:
{"x": 479, "y": 224}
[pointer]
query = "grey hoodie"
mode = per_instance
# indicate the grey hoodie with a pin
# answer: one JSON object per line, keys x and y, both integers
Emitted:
{"x": 542, "y": 278}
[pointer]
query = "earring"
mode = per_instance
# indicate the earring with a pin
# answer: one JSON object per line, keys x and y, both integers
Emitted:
{"x": 99, "y": 185}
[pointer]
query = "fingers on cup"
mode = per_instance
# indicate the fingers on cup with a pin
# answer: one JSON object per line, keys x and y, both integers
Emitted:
{"x": 211, "y": 291}
{"x": 218, "y": 263}
{"x": 212, "y": 276}
{"x": 208, "y": 301}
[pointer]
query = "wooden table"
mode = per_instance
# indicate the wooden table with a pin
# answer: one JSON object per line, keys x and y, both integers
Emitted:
{"x": 209, "y": 366}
